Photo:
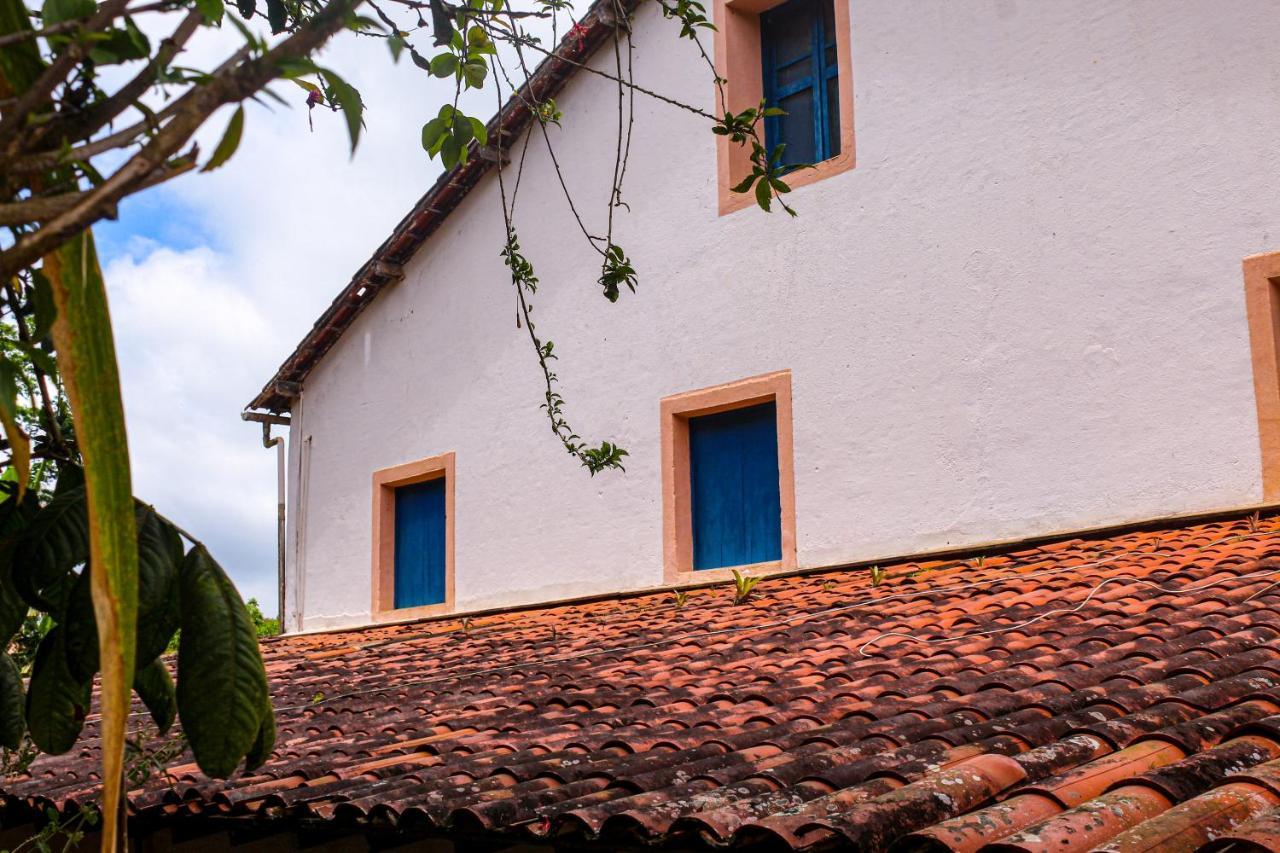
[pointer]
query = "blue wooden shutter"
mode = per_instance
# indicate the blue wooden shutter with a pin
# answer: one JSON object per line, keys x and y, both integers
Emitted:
{"x": 733, "y": 477}
{"x": 801, "y": 76}
{"x": 419, "y": 554}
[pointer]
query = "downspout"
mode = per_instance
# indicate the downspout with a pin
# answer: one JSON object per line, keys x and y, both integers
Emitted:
{"x": 278, "y": 443}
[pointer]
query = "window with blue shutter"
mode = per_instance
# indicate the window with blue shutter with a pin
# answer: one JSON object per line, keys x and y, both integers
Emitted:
{"x": 734, "y": 493}
{"x": 801, "y": 76}
{"x": 420, "y": 544}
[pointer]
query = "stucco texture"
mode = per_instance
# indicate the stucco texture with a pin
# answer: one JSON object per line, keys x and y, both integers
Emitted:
{"x": 1021, "y": 313}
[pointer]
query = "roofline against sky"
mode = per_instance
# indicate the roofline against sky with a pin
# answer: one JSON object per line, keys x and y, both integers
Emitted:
{"x": 386, "y": 266}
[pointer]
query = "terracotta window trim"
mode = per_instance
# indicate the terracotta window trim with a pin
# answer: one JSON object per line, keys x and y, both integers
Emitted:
{"x": 1262, "y": 302}
{"x": 738, "y": 62}
{"x": 385, "y": 483}
{"x": 677, "y": 523}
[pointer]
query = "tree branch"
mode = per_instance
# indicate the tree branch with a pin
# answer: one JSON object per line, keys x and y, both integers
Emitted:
{"x": 45, "y": 208}
{"x": 190, "y": 112}
{"x": 101, "y": 114}
{"x": 53, "y": 76}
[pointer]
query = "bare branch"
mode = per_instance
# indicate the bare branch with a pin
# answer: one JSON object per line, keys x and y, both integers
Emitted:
{"x": 45, "y": 208}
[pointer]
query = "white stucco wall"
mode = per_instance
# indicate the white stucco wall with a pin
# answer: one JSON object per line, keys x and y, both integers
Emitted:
{"x": 1021, "y": 313}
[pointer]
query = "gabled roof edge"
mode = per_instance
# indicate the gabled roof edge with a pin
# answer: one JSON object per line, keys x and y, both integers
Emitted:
{"x": 386, "y": 265}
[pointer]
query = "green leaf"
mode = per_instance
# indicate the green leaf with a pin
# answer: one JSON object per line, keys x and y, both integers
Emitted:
{"x": 295, "y": 68}
{"x": 213, "y": 10}
{"x": 57, "y": 703}
{"x": 396, "y": 45}
{"x": 57, "y": 11}
{"x": 480, "y": 132}
{"x": 42, "y": 307}
{"x": 230, "y": 141}
{"x": 54, "y": 543}
{"x": 351, "y": 104}
{"x": 20, "y": 63}
{"x": 222, "y": 684}
{"x": 122, "y": 45}
{"x": 764, "y": 195}
{"x": 474, "y": 72}
{"x": 13, "y": 610}
{"x": 39, "y": 358}
{"x": 746, "y": 183}
{"x": 432, "y": 132}
{"x": 159, "y": 567}
{"x": 277, "y": 16}
{"x": 13, "y": 723}
{"x": 450, "y": 152}
{"x": 463, "y": 133}
{"x": 159, "y": 562}
{"x": 265, "y": 741}
{"x": 87, "y": 365}
{"x": 154, "y": 687}
{"x": 246, "y": 8}
{"x": 443, "y": 65}
{"x": 14, "y": 516}
{"x": 19, "y": 442}
{"x": 70, "y": 477}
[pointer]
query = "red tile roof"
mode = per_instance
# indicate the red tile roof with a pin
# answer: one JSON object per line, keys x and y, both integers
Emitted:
{"x": 1117, "y": 692}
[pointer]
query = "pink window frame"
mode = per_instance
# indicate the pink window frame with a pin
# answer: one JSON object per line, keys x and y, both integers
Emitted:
{"x": 385, "y": 483}
{"x": 677, "y": 522}
{"x": 739, "y": 64}
{"x": 1262, "y": 302}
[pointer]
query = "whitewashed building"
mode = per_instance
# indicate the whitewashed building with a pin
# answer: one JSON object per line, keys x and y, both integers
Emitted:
{"x": 1028, "y": 292}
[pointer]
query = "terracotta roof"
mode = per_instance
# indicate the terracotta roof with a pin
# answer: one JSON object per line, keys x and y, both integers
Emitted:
{"x": 384, "y": 267}
{"x": 1117, "y": 692}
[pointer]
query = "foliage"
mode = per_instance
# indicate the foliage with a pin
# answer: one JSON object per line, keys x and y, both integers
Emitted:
{"x": 877, "y": 576}
{"x": 61, "y": 834}
{"x": 23, "y": 645}
{"x": 680, "y": 597}
{"x": 51, "y": 575}
{"x": 743, "y": 585}
{"x": 263, "y": 626}
{"x": 144, "y": 760}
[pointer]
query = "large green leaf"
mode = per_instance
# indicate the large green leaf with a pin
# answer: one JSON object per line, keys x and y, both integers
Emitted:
{"x": 57, "y": 702}
{"x": 265, "y": 741}
{"x": 14, "y": 516}
{"x": 20, "y": 62}
{"x": 12, "y": 720}
{"x": 87, "y": 363}
{"x": 159, "y": 567}
{"x": 222, "y": 684}
{"x": 155, "y": 689}
{"x": 55, "y": 542}
{"x": 159, "y": 560}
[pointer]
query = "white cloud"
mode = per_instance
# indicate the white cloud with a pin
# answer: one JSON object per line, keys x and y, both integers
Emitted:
{"x": 189, "y": 342}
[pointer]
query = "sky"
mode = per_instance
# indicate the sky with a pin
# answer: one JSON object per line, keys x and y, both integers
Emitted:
{"x": 214, "y": 278}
